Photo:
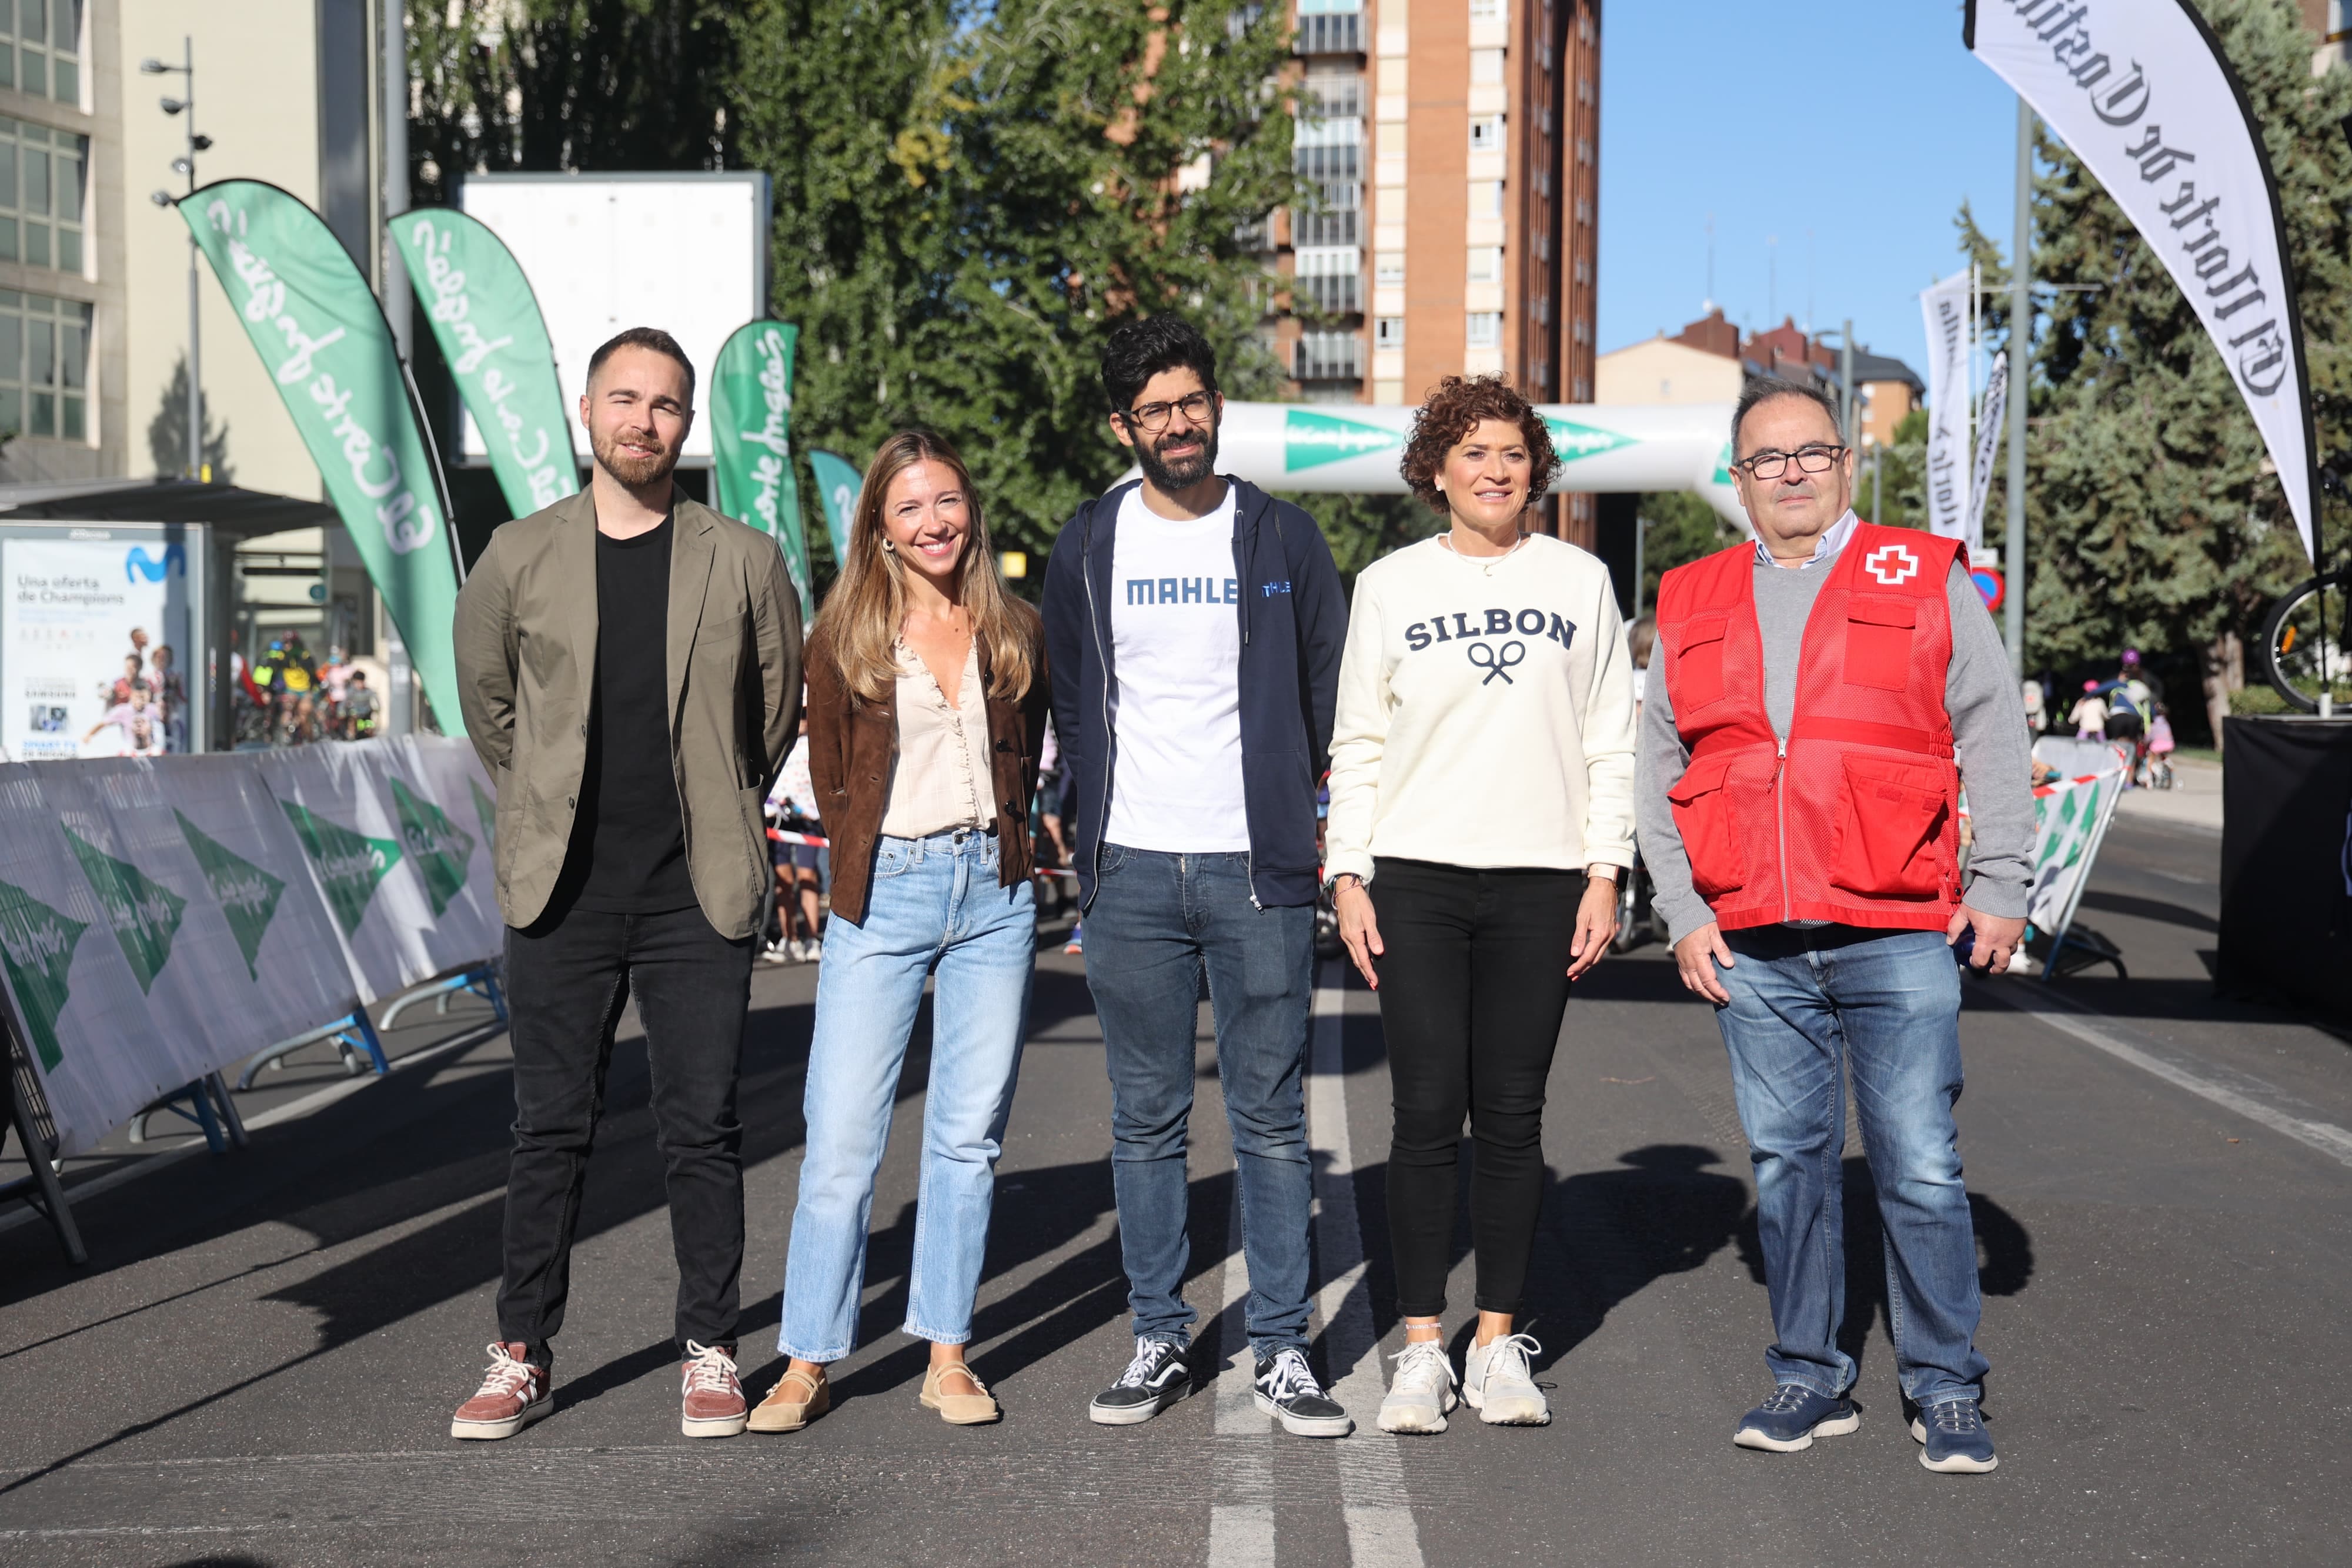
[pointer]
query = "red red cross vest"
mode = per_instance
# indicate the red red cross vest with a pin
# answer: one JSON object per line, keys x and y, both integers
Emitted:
{"x": 1854, "y": 818}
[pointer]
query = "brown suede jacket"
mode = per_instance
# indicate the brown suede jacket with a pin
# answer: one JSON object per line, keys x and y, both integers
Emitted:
{"x": 851, "y": 746}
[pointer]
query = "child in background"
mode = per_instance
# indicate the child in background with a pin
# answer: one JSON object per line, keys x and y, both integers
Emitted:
{"x": 2090, "y": 716}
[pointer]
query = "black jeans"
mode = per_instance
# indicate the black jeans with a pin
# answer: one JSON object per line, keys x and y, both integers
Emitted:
{"x": 1473, "y": 989}
{"x": 567, "y": 980}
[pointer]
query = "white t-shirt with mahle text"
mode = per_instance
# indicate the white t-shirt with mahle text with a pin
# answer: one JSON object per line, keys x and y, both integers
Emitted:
{"x": 1175, "y": 622}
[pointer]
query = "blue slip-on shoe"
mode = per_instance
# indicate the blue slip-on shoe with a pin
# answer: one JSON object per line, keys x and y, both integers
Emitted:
{"x": 1955, "y": 1438}
{"x": 1792, "y": 1418}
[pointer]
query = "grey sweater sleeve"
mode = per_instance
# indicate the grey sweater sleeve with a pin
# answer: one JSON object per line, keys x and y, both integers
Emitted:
{"x": 1988, "y": 709}
{"x": 1661, "y": 759}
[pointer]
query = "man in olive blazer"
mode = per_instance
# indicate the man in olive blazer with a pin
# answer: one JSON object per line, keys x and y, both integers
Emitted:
{"x": 629, "y": 667}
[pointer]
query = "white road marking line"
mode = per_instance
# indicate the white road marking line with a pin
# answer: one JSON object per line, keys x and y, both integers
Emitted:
{"x": 1241, "y": 1519}
{"x": 1381, "y": 1529}
{"x": 2096, "y": 1029}
{"x": 293, "y": 1109}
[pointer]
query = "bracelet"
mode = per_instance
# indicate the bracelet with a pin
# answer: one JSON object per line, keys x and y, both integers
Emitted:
{"x": 1347, "y": 876}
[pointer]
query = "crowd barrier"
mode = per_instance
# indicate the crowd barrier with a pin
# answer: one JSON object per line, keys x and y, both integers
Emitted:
{"x": 163, "y": 919}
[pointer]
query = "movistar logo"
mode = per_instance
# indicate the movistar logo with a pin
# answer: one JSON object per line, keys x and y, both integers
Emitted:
{"x": 139, "y": 563}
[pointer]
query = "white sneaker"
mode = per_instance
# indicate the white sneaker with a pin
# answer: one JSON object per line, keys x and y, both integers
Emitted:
{"x": 1423, "y": 1390}
{"x": 1497, "y": 1382}
{"x": 795, "y": 952}
{"x": 812, "y": 950}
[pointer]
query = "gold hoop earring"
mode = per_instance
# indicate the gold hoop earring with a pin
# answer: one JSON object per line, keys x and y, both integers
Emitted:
{"x": 890, "y": 547}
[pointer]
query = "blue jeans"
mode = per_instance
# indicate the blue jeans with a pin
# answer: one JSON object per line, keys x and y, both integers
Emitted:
{"x": 934, "y": 902}
{"x": 1158, "y": 921}
{"x": 1886, "y": 1006}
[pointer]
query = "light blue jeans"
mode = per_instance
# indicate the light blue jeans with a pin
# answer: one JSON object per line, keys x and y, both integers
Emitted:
{"x": 933, "y": 904}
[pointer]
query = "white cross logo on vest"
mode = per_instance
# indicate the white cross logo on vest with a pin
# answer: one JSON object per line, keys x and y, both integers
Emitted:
{"x": 1904, "y": 567}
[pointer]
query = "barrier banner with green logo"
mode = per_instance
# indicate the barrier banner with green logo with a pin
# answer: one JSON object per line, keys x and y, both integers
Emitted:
{"x": 837, "y": 485}
{"x": 318, "y": 329}
{"x": 486, "y": 320}
{"x": 752, "y": 445}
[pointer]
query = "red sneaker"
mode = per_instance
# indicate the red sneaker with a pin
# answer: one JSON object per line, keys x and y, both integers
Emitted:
{"x": 513, "y": 1394}
{"x": 714, "y": 1406}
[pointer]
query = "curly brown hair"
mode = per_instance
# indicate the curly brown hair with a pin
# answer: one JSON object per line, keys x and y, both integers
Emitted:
{"x": 1453, "y": 412}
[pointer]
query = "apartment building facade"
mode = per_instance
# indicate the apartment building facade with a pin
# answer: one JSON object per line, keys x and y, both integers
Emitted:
{"x": 1455, "y": 145}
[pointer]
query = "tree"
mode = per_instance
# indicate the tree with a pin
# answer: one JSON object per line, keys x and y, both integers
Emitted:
{"x": 167, "y": 433}
{"x": 1682, "y": 529}
{"x": 2154, "y": 520}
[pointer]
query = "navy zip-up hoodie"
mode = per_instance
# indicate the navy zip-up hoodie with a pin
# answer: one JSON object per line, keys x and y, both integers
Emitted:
{"x": 1294, "y": 622}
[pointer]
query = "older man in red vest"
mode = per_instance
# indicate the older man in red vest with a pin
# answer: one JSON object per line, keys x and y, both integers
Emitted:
{"x": 1819, "y": 697}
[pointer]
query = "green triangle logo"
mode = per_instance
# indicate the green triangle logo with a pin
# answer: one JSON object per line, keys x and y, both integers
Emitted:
{"x": 1723, "y": 466}
{"x": 486, "y": 812}
{"x": 37, "y": 947}
{"x": 1575, "y": 442}
{"x": 145, "y": 914}
{"x": 436, "y": 846}
{"x": 1311, "y": 440}
{"x": 246, "y": 893}
{"x": 348, "y": 865}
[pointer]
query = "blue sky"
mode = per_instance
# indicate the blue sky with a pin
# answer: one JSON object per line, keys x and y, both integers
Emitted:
{"x": 1861, "y": 120}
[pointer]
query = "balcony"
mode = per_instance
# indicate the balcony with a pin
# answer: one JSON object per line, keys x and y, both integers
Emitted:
{"x": 1339, "y": 34}
{"x": 1327, "y": 227}
{"x": 1337, "y": 295}
{"x": 1328, "y": 163}
{"x": 1329, "y": 357}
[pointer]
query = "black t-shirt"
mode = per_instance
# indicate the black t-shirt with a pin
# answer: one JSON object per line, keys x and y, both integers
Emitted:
{"x": 627, "y": 854}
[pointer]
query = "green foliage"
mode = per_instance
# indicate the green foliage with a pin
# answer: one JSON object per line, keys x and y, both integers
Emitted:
{"x": 2152, "y": 520}
{"x": 966, "y": 199}
{"x": 1899, "y": 493}
{"x": 1363, "y": 528}
{"x": 1682, "y": 529}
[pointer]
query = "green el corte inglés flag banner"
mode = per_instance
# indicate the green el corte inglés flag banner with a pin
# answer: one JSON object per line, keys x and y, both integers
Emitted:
{"x": 486, "y": 320}
{"x": 837, "y": 485}
{"x": 752, "y": 446}
{"x": 317, "y": 328}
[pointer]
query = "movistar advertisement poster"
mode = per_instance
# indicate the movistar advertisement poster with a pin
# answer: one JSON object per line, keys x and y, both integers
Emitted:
{"x": 101, "y": 634}
{"x": 751, "y": 419}
{"x": 317, "y": 329}
{"x": 487, "y": 323}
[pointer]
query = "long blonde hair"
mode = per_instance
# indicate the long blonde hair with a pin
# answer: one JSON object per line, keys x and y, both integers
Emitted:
{"x": 863, "y": 614}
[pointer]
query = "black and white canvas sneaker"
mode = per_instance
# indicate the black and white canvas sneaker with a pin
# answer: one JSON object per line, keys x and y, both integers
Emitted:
{"x": 1160, "y": 1374}
{"x": 1287, "y": 1390}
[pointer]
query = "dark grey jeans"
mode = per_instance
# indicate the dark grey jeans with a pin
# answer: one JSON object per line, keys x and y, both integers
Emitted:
{"x": 567, "y": 982}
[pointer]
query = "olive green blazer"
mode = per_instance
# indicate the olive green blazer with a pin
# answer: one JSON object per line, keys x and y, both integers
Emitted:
{"x": 526, "y": 636}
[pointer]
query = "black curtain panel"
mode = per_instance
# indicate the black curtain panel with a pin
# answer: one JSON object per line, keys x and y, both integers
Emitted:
{"x": 2286, "y": 863}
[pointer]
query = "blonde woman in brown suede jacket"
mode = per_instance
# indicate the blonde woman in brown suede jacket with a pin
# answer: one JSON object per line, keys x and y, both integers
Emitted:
{"x": 927, "y": 702}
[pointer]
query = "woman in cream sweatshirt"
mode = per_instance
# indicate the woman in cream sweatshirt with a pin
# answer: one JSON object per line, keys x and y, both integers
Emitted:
{"x": 1482, "y": 812}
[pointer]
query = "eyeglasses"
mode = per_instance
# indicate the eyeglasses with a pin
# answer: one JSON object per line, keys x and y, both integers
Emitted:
{"x": 1809, "y": 460}
{"x": 1153, "y": 416}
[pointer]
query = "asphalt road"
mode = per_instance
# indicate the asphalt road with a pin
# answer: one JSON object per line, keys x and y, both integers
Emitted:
{"x": 259, "y": 1364}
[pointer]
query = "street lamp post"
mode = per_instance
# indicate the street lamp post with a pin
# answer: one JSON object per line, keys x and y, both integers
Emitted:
{"x": 185, "y": 164}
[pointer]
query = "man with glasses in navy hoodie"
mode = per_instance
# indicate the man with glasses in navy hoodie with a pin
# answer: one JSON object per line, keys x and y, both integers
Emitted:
{"x": 1194, "y": 626}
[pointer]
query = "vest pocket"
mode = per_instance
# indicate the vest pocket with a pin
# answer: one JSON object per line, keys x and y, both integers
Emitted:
{"x": 1890, "y": 831}
{"x": 1878, "y": 640}
{"x": 1702, "y": 815}
{"x": 1698, "y": 663}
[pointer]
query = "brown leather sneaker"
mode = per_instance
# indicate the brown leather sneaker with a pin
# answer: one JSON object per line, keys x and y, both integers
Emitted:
{"x": 796, "y": 1400}
{"x": 513, "y": 1394}
{"x": 714, "y": 1393}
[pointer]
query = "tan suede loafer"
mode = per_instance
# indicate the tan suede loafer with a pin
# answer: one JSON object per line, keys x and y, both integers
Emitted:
{"x": 960, "y": 1409}
{"x": 796, "y": 1400}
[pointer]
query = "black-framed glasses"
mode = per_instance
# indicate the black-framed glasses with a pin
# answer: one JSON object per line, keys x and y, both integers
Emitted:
{"x": 1153, "y": 416}
{"x": 1814, "y": 459}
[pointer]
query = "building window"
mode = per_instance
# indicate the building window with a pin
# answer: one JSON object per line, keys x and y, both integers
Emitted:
{"x": 1486, "y": 264}
{"x": 40, "y": 48}
{"x": 1388, "y": 332}
{"x": 1487, "y": 134}
{"x": 1486, "y": 67}
{"x": 1487, "y": 11}
{"x": 1483, "y": 329}
{"x": 43, "y": 366}
{"x": 42, "y": 175}
{"x": 1485, "y": 198}
{"x": 1388, "y": 269}
{"x": 1327, "y": 357}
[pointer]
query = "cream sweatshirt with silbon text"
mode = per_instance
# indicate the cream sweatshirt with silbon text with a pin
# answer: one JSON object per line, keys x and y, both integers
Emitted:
{"x": 1485, "y": 713}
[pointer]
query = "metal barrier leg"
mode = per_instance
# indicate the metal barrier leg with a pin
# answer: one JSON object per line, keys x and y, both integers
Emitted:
{"x": 230, "y": 1120}
{"x": 366, "y": 1031}
{"x": 42, "y": 1189}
